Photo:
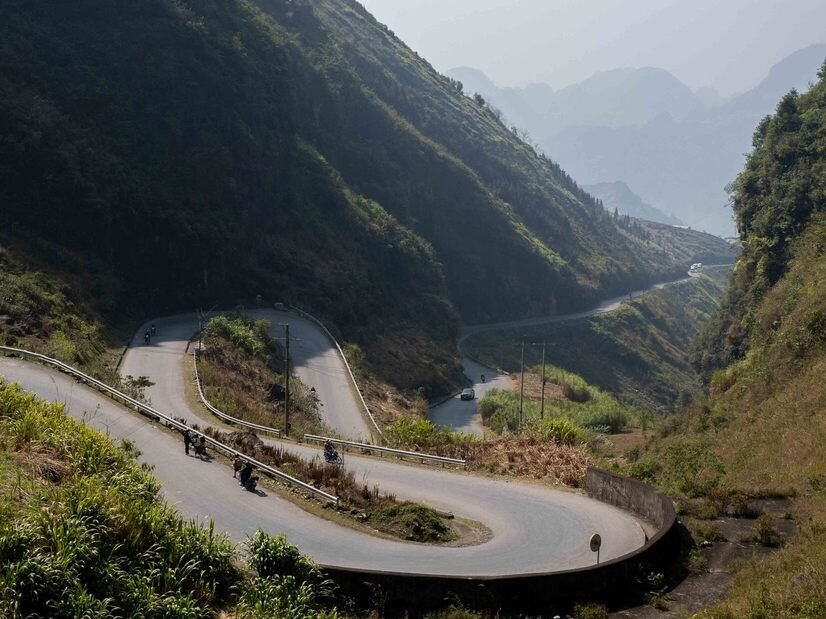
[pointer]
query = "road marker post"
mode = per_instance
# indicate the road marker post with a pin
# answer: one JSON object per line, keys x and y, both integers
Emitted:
{"x": 595, "y": 542}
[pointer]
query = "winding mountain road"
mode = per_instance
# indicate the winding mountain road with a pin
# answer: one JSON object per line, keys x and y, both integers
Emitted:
{"x": 534, "y": 528}
{"x": 314, "y": 359}
{"x": 462, "y": 415}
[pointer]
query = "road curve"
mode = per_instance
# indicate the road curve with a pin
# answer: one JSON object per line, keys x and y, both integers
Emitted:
{"x": 463, "y": 416}
{"x": 313, "y": 357}
{"x": 535, "y": 529}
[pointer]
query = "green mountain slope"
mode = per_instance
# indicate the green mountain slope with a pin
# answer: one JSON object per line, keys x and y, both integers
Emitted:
{"x": 200, "y": 152}
{"x": 639, "y": 352}
{"x": 762, "y": 428}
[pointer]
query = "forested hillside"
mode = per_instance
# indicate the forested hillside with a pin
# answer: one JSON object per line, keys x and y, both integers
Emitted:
{"x": 761, "y": 430}
{"x": 194, "y": 152}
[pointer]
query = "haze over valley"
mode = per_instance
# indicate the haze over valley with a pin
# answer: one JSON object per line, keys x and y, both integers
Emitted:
{"x": 676, "y": 148}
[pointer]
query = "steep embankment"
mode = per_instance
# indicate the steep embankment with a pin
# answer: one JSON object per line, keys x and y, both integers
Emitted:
{"x": 762, "y": 428}
{"x": 198, "y": 152}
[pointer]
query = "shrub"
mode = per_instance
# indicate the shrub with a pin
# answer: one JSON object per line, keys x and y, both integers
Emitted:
{"x": 764, "y": 532}
{"x": 644, "y": 470}
{"x": 250, "y": 335}
{"x": 590, "y": 611}
{"x": 273, "y": 556}
{"x": 576, "y": 393}
{"x": 413, "y": 432}
{"x": 691, "y": 467}
{"x": 288, "y": 585}
{"x": 614, "y": 420}
{"x": 696, "y": 562}
{"x": 561, "y": 431}
{"x": 281, "y": 597}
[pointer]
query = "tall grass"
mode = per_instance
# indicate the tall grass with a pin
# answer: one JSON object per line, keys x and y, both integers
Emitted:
{"x": 85, "y": 533}
{"x": 598, "y": 412}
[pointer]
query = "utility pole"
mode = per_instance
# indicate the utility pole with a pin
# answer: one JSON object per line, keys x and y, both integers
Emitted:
{"x": 542, "y": 404}
{"x": 287, "y": 380}
{"x": 522, "y": 383}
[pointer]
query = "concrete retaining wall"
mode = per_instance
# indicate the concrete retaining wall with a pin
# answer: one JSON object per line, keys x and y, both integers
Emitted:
{"x": 547, "y": 593}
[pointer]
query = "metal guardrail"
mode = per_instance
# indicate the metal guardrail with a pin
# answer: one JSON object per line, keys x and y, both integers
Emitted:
{"x": 396, "y": 452}
{"x": 314, "y": 437}
{"x": 220, "y": 414}
{"x": 312, "y": 318}
{"x": 169, "y": 421}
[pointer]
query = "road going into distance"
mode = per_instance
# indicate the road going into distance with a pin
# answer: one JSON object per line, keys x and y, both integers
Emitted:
{"x": 462, "y": 415}
{"x": 533, "y": 528}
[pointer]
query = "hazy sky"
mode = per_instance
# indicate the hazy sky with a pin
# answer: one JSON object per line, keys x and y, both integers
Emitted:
{"x": 725, "y": 44}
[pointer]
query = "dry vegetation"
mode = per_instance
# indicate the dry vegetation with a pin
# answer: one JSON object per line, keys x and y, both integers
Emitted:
{"x": 391, "y": 384}
{"x": 364, "y": 503}
{"x": 523, "y": 456}
{"x": 557, "y": 456}
{"x": 241, "y": 373}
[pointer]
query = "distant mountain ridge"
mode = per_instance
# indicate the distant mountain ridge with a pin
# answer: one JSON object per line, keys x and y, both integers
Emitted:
{"x": 677, "y": 148}
{"x": 617, "y": 195}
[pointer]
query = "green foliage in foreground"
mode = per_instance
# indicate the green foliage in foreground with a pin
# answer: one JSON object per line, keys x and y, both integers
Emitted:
{"x": 85, "y": 533}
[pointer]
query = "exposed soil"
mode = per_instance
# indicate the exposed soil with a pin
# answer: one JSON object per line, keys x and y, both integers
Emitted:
{"x": 700, "y": 590}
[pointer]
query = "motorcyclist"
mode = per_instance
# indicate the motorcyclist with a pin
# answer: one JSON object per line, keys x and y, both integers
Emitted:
{"x": 146, "y": 337}
{"x": 330, "y": 453}
{"x": 246, "y": 473}
{"x": 483, "y": 378}
{"x": 202, "y": 445}
{"x": 152, "y": 329}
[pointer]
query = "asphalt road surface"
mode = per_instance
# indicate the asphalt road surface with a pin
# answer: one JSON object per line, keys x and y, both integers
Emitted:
{"x": 534, "y": 528}
{"x": 314, "y": 360}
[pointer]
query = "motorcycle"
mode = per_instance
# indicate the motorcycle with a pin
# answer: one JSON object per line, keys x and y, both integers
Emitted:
{"x": 152, "y": 330}
{"x": 251, "y": 484}
{"x": 333, "y": 457}
{"x": 483, "y": 378}
{"x": 146, "y": 337}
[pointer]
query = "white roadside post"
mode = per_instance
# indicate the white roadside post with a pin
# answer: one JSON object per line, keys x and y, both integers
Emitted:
{"x": 595, "y": 542}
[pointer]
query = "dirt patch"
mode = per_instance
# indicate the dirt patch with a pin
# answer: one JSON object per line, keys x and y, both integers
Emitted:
{"x": 533, "y": 388}
{"x": 469, "y": 533}
{"x": 719, "y": 560}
